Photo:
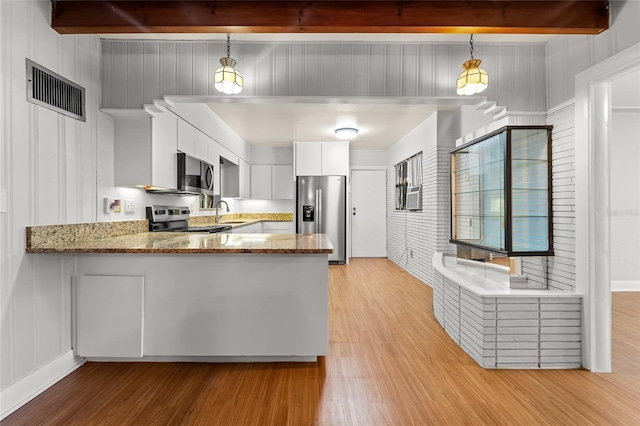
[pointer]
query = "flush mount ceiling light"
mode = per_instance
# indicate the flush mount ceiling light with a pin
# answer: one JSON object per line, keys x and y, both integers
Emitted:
{"x": 227, "y": 79}
{"x": 346, "y": 133}
{"x": 473, "y": 79}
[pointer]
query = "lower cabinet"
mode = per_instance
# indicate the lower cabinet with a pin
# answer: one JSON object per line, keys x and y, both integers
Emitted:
{"x": 277, "y": 228}
{"x": 109, "y": 316}
{"x": 254, "y": 228}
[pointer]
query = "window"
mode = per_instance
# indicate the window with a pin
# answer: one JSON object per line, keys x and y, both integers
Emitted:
{"x": 409, "y": 181}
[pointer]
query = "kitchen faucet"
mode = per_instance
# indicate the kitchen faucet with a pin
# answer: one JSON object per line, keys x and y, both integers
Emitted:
{"x": 217, "y": 207}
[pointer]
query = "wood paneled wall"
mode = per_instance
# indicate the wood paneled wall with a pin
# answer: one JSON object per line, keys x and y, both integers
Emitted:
{"x": 136, "y": 72}
{"x": 48, "y": 168}
{"x": 570, "y": 55}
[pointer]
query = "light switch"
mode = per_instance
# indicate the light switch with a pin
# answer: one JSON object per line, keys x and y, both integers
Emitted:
{"x": 128, "y": 206}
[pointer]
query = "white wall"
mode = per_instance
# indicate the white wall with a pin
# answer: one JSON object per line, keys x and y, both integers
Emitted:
{"x": 368, "y": 157}
{"x": 625, "y": 197}
{"x": 558, "y": 271}
{"x": 48, "y": 169}
{"x": 412, "y": 231}
{"x": 136, "y": 72}
{"x": 570, "y": 55}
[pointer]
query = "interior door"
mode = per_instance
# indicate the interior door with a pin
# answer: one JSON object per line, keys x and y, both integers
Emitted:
{"x": 368, "y": 213}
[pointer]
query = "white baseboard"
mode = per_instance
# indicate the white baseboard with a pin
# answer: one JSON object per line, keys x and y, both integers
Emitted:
{"x": 32, "y": 385}
{"x": 625, "y": 285}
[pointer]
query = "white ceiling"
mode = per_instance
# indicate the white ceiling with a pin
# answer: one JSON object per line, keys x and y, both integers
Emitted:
{"x": 268, "y": 124}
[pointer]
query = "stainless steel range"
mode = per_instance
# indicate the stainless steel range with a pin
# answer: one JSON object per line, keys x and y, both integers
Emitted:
{"x": 175, "y": 219}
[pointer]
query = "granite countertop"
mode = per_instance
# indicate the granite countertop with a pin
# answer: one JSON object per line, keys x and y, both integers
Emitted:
{"x": 189, "y": 242}
{"x": 236, "y": 220}
{"x": 133, "y": 237}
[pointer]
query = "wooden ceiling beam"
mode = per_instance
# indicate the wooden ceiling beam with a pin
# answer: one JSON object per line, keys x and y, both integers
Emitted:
{"x": 331, "y": 16}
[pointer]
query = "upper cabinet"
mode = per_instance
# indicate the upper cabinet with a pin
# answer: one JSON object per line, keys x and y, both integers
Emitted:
{"x": 244, "y": 179}
{"x": 145, "y": 149}
{"x": 321, "y": 158}
{"x": 186, "y": 138}
{"x": 282, "y": 182}
{"x": 501, "y": 192}
{"x": 272, "y": 182}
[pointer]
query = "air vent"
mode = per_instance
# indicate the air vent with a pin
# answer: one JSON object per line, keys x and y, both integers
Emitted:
{"x": 50, "y": 90}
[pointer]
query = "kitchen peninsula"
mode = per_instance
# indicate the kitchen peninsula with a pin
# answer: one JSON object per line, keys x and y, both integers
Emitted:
{"x": 176, "y": 296}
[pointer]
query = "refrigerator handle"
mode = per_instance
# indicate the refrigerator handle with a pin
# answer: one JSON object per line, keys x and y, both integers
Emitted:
{"x": 318, "y": 211}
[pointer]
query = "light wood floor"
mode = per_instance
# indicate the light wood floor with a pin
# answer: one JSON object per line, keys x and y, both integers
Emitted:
{"x": 389, "y": 363}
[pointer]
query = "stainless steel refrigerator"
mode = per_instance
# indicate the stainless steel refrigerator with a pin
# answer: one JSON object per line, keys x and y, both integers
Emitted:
{"x": 321, "y": 209}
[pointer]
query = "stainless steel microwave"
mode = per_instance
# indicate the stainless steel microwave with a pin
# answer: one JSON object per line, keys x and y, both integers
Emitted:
{"x": 195, "y": 177}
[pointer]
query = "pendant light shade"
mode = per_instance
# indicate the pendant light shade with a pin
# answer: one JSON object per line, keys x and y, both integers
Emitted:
{"x": 227, "y": 79}
{"x": 473, "y": 79}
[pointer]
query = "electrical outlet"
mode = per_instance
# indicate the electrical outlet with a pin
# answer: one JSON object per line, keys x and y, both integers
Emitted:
{"x": 112, "y": 205}
{"x": 128, "y": 206}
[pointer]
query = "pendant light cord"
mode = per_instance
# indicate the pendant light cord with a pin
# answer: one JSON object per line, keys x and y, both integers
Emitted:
{"x": 228, "y": 45}
{"x": 471, "y": 48}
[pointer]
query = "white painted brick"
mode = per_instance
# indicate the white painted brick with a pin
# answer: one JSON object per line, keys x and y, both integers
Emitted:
{"x": 575, "y": 352}
{"x": 518, "y": 307}
{"x": 519, "y": 323}
{"x": 559, "y": 307}
{"x": 528, "y": 360}
{"x": 517, "y": 337}
{"x": 558, "y": 314}
{"x": 567, "y": 337}
{"x": 560, "y": 360}
{"x": 517, "y": 366}
{"x": 561, "y": 345}
{"x": 562, "y": 322}
{"x": 560, "y": 330}
{"x": 517, "y": 345}
{"x": 509, "y": 353}
{"x": 518, "y": 315}
{"x": 517, "y": 330}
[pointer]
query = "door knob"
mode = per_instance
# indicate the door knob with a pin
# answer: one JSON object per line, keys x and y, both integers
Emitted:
{"x": 354, "y": 211}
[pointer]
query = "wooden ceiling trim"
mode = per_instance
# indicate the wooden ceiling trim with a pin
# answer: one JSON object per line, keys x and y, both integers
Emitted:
{"x": 330, "y": 16}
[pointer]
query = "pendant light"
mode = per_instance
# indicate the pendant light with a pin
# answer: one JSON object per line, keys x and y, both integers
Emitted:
{"x": 473, "y": 79}
{"x": 227, "y": 79}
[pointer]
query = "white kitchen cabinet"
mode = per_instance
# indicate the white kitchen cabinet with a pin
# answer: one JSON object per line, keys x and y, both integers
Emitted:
{"x": 308, "y": 158}
{"x": 254, "y": 228}
{"x": 145, "y": 150}
{"x": 201, "y": 145}
{"x": 193, "y": 142}
{"x": 321, "y": 158}
{"x": 110, "y": 311}
{"x": 335, "y": 158}
{"x": 277, "y": 228}
{"x": 272, "y": 182}
{"x": 245, "y": 179}
{"x": 186, "y": 137}
{"x": 261, "y": 182}
{"x": 282, "y": 182}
